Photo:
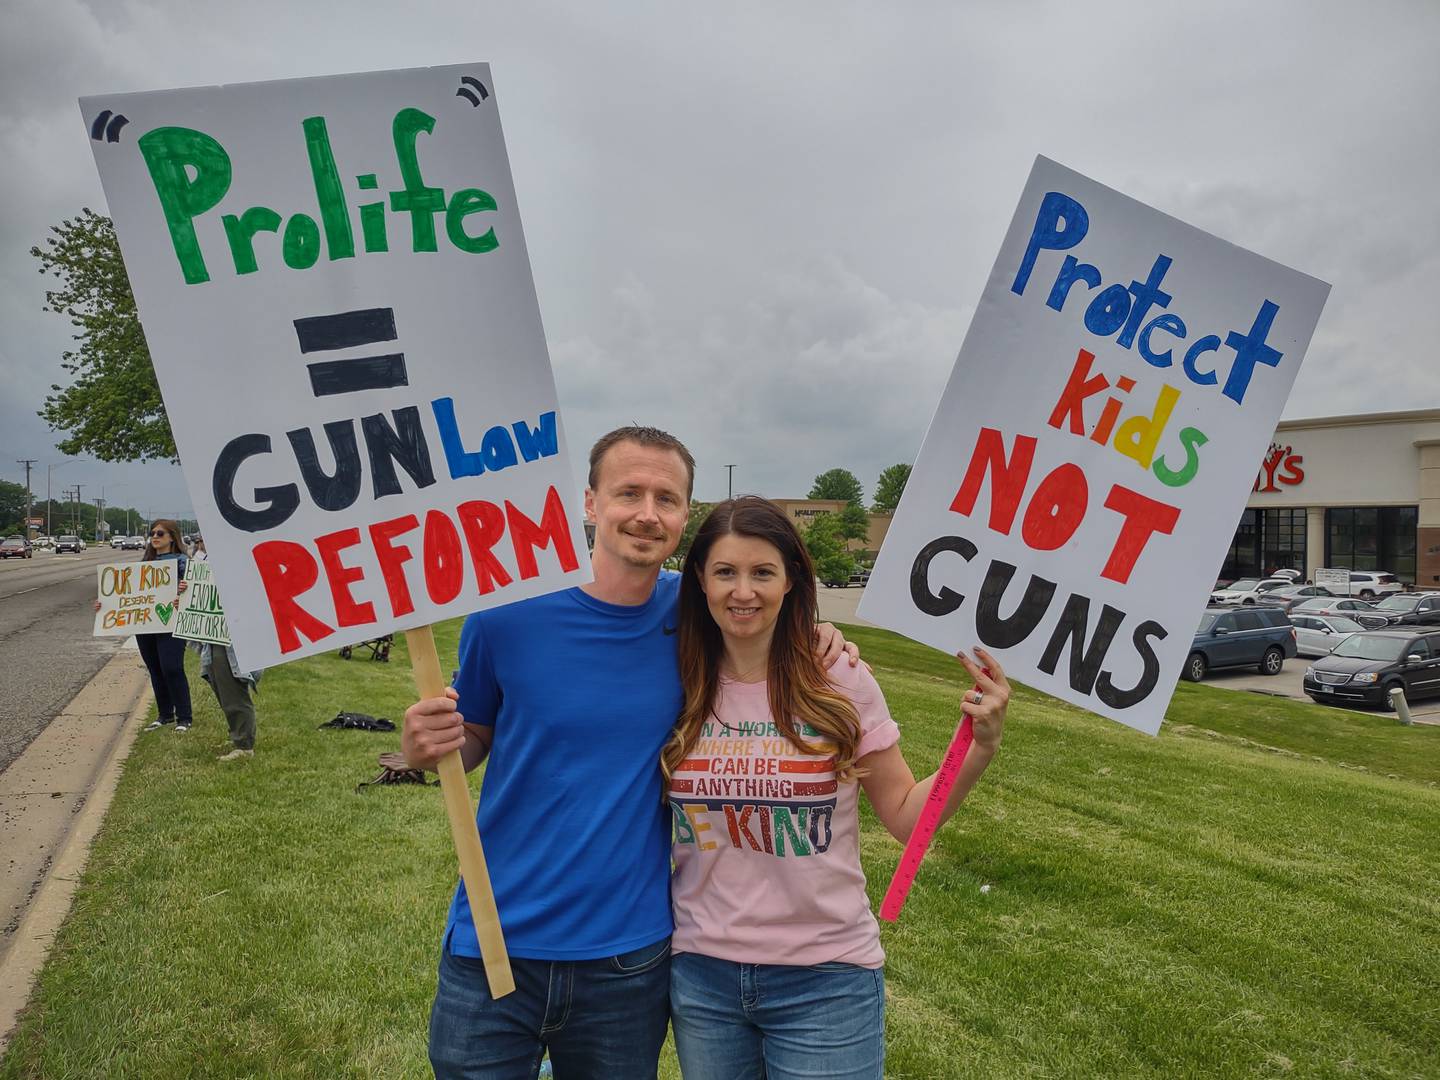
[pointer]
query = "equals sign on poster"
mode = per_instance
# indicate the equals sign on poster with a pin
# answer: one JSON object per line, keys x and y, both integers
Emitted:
{"x": 348, "y": 330}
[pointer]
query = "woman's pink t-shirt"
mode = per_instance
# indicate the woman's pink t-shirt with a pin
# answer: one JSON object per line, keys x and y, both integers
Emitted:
{"x": 767, "y": 843}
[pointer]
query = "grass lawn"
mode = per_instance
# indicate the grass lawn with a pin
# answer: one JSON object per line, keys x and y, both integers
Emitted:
{"x": 1254, "y": 893}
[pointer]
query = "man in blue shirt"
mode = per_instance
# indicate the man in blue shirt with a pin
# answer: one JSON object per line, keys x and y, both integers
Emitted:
{"x": 571, "y": 696}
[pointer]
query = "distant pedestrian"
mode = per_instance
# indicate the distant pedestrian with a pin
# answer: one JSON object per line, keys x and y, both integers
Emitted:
{"x": 232, "y": 686}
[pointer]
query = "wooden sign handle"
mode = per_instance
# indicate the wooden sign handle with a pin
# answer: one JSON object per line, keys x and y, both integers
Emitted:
{"x": 425, "y": 662}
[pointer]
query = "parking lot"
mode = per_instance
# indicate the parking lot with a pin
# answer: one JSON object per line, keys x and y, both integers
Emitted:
{"x": 838, "y": 606}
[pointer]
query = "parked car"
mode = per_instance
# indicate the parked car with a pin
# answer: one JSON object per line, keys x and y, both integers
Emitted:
{"x": 1412, "y": 609}
{"x": 1367, "y": 585}
{"x": 1247, "y": 590}
{"x": 134, "y": 543}
{"x": 1287, "y": 596}
{"x": 1317, "y": 635}
{"x": 69, "y": 544}
{"x": 16, "y": 547}
{"x": 1259, "y": 636}
{"x": 1361, "y": 611}
{"x": 1365, "y": 667}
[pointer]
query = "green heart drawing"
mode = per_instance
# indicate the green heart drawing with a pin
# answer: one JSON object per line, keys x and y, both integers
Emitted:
{"x": 165, "y": 611}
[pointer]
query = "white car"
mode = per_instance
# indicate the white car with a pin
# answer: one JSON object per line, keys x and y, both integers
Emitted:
{"x": 117, "y": 542}
{"x": 1366, "y": 584}
{"x": 1317, "y": 635}
{"x": 1247, "y": 590}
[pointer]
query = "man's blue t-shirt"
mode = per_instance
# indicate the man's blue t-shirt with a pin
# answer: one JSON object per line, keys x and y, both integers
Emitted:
{"x": 582, "y": 696}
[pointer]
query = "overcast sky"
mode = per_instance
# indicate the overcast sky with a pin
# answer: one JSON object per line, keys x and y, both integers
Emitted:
{"x": 764, "y": 226}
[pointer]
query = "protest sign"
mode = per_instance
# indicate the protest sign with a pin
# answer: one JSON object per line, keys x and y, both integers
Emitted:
{"x": 1081, "y": 480}
{"x": 337, "y": 298}
{"x": 200, "y": 616}
{"x": 136, "y": 597}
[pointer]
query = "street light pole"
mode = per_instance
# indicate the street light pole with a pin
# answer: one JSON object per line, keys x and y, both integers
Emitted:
{"x": 48, "y": 468}
{"x": 730, "y": 480}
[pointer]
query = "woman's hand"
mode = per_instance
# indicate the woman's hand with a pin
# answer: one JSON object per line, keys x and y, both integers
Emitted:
{"x": 182, "y": 586}
{"x": 987, "y": 711}
{"x": 97, "y": 606}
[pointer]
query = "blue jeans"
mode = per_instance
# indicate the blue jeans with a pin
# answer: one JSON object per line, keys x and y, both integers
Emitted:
{"x": 775, "y": 1022}
{"x": 601, "y": 1019}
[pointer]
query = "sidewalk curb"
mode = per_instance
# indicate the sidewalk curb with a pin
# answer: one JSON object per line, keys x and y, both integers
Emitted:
{"x": 20, "y": 965}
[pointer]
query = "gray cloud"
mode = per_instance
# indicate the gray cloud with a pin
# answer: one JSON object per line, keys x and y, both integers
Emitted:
{"x": 765, "y": 226}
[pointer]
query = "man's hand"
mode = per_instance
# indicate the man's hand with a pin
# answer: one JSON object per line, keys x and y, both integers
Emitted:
{"x": 433, "y": 728}
{"x": 830, "y": 643}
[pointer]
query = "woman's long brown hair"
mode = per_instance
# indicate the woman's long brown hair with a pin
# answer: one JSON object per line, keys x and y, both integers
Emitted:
{"x": 799, "y": 690}
{"x": 173, "y": 528}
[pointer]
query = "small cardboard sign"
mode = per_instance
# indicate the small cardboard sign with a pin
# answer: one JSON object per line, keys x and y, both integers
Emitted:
{"x": 137, "y": 598}
{"x": 201, "y": 616}
{"x": 1083, "y": 475}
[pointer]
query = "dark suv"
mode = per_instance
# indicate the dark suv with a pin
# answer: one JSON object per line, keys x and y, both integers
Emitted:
{"x": 1240, "y": 637}
{"x": 1412, "y": 609}
{"x": 1365, "y": 667}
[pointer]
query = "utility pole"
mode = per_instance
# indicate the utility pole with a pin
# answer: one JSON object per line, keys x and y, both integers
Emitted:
{"x": 27, "y": 462}
{"x": 730, "y": 480}
{"x": 77, "y": 516}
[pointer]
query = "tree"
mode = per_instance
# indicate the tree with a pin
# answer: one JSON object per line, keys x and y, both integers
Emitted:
{"x": 838, "y": 484}
{"x": 825, "y": 541}
{"x": 890, "y": 487}
{"x": 12, "y": 508}
{"x": 699, "y": 511}
{"x": 854, "y": 523}
{"x": 113, "y": 410}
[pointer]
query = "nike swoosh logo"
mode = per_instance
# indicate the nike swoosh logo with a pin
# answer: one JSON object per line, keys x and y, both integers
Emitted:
{"x": 670, "y": 631}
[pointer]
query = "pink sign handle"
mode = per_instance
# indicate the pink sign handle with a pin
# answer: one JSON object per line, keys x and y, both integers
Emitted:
{"x": 929, "y": 821}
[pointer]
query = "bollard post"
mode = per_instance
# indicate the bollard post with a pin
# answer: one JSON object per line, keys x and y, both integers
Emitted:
{"x": 1402, "y": 710}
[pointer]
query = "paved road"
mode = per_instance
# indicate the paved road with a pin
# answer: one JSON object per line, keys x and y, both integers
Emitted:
{"x": 46, "y": 650}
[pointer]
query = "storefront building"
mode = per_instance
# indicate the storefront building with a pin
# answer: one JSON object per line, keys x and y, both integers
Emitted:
{"x": 1359, "y": 492}
{"x": 804, "y": 511}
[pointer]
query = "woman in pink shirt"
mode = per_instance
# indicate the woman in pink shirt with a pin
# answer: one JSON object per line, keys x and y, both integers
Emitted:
{"x": 776, "y": 967}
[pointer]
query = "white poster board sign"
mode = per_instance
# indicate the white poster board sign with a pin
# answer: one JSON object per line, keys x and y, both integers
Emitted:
{"x": 136, "y": 597}
{"x": 337, "y": 297}
{"x": 1337, "y": 581}
{"x": 1081, "y": 480}
{"x": 200, "y": 616}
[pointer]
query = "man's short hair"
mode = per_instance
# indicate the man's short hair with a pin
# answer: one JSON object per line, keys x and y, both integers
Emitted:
{"x": 642, "y": 436}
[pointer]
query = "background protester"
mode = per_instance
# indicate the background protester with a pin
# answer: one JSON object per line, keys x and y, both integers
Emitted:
{"x": 776, "y": 958}
{"x": 232, "y": 686}
{"x": 164, "y": 654}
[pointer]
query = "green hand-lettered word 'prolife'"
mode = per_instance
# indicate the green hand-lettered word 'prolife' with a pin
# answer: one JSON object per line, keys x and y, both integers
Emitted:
{"x": 192, "y": 173}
